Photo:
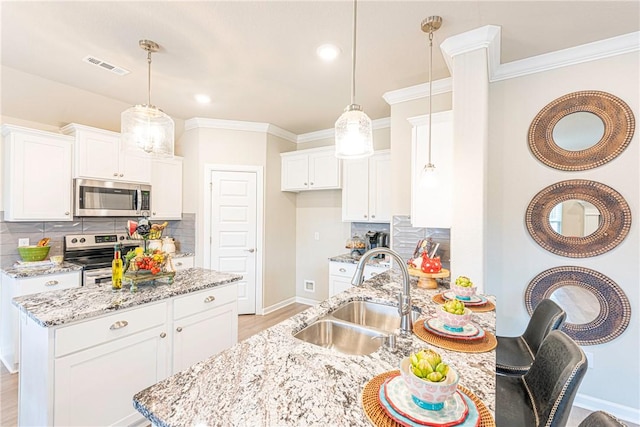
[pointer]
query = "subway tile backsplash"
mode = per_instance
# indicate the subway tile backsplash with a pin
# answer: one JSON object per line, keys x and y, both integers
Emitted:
{"x": 182, "y": 231}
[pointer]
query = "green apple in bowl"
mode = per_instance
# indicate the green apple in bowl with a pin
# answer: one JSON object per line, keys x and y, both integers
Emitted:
{"x": 463, "y": 288}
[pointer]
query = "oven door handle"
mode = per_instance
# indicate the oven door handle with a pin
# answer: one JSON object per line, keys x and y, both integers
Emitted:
{"x": 138, "y": 199}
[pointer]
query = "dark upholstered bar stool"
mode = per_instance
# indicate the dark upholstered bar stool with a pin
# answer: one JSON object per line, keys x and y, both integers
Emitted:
{"x": 544, "y": 395}
{"x": 514, "y": 355}
{"x": 601, "y": 419}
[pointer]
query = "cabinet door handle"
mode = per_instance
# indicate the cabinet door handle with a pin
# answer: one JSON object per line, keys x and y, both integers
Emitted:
{"x": 163, "y": 335}
{"x": 343, "y": 270}
{"x": 118, "y": 325}
{"x": 373, "y": 216}
{"x": 250, "y": 250}
{"x": 121, "y": 175}
{"x": 67, "y": 213}
{"x": 210, "y": 298}
{"x": 51, "y": 283}
{"x": 305, "y": 184}
{"x": 312, "y": 183}
{"x": 178, "y": 264}
{"x": 179, "y": 329}
{"x": 115, "y": 174}
{"x": 365, "y": 215}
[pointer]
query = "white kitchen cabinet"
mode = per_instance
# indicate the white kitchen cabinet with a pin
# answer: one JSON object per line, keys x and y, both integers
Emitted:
{"x": 211, "y": 328}
{"x": 366, "y": 191}
{"x": 166, "y": 188}
{"x": 184, "y": 262}
{"x": 423, "y": 213}
{"x": 37, "y": 175}
{"x": 341, "y": 274}
{"x": 9, "y": 325}
{"x": 99, "y": 154}
{"x": 86, "y": 372}
{"x": 313, "y": 169}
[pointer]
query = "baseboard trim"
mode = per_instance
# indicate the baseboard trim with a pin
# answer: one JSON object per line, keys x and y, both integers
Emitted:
{"x": 278, "y": 306}
{"x": 624, "y": 413}
{"x": 307, "y": 301}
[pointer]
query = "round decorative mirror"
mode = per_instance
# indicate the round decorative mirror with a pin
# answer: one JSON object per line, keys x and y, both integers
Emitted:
{"x": 597, "y": 308}
{"x": 597, "y": 219}
{"x": 581, "y": 130}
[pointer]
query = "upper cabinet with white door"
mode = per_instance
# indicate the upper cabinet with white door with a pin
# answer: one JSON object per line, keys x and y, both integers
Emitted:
{"x": 166, "y": 188}
{"x": 99, "y": 155}
{"x": 432, "y": 207}
{"x": 366, "y": 192}
{"x": 37, "y": 175}
{"x": 313, "y": 169}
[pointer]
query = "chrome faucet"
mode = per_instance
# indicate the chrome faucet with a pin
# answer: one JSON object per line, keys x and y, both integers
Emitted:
{"x": 404, "y": 298}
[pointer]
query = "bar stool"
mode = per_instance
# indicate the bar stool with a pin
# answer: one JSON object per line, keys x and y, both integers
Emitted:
{"x": 544, "y": 395}
{"x": 601, "y": 419}
{"x": 514, "y": 355}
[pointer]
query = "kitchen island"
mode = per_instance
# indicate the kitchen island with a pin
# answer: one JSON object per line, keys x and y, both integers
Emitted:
{"x": 275, "y": 379}
{"x": 85, "y": 351}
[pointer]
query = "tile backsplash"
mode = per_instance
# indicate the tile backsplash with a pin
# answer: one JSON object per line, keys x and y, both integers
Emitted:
{"x": 405, "y": 237}
{"x": 183, "y": 231}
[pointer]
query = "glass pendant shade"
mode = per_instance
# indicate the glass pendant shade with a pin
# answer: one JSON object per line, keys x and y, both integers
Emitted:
{"x": 354, "y": 134}
{"x": 429, "y": 177}
{"x": 147, "y": 128}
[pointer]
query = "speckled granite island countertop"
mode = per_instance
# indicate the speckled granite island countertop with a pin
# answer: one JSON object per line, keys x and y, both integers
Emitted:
{"x": 21, "y": 272}
{"x": 351, "y": 259}
{"x": 274, "y": 379}
{"x": 69, "y": 305}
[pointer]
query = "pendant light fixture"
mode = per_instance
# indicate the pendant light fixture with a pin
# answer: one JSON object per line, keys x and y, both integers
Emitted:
{"x": 145, "y": 127}
{"x": 353, "y": 129}
{"x": 429, "y": 178}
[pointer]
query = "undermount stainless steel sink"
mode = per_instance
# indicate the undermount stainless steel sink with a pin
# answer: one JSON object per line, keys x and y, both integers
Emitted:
{"x": 353, "y": 327}
{"x": 367, "y": 313}
{"x": 345, "y": 337}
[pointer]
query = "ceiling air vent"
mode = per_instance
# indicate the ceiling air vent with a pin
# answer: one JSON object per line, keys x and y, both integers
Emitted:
{"x": 105, "y": 65}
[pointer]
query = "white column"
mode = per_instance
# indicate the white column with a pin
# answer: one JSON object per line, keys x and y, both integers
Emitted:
{"x": 470, "y": 56}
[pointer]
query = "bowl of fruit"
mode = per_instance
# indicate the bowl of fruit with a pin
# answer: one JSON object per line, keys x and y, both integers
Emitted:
{"x": 430, "y": 380}
{"x": 140, "y": 262}
{"x": 454, "y": 315}
{"x": 463, "y": 288}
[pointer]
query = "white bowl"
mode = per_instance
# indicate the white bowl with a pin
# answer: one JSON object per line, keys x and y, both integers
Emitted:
{"x": 427, "y": 394}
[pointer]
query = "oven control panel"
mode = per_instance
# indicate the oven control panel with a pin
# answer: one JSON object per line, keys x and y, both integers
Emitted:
{"x": 88, "y": 241}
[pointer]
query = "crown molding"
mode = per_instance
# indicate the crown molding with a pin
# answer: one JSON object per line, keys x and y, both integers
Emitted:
{"x": 330, "y": 133}
{"x": 203, "y": 123}
{"x": 418, "y": 91}
{"x": 487, "y": 37}
{"x": 439, "y": 117}
{"x": 600, "y": 49}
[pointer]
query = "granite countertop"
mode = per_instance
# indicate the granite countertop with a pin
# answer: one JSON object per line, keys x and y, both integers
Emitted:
{"x": 274, "y": 379}
{"x": 353, "y": 259}
{"x": 21, "y": 272}
{"x": 182, "y": 254}
{"x": 56, "y": 308}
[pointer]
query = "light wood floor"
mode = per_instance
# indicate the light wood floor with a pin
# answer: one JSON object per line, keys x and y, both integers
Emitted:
{"x": 247, "y": 325}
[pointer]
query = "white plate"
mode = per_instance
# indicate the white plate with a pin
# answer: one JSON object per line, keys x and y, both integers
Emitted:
{"x": 397, "y": 394}
{"x": 469, "y": 331}
{"x": 473, "y": 300}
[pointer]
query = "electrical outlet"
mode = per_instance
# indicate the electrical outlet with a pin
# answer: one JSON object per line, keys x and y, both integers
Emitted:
{"x": 23, "y": 242}
{"x": 589, "y": 357}
{"x": 316, "y": 235}
{"x": 309, "y": 286}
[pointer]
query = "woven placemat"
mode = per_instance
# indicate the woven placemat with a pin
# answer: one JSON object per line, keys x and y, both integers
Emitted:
{"x": 488, "y": 306}
{"x": 379, "y": 418}
{"x": 488, "y": 343}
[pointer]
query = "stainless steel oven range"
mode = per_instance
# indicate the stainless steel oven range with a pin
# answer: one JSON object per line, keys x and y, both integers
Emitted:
{"x": 95, "y": 253}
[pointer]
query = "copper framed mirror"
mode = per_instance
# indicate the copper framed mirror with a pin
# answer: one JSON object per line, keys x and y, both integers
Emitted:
{"x": 605, "y": 216}
{"x": 581, "y": 130}
{"x": 597, "y": 308}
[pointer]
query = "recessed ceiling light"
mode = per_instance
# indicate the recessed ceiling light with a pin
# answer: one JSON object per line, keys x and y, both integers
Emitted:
{"x": 328, "y": 52}
{"x": 202, "y": 98}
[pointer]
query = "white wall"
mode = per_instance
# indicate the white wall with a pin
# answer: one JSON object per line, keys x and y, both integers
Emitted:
{"x": 515, "y": 176}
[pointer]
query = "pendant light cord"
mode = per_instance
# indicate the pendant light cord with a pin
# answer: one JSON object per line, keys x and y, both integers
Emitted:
{"x": 149, "y": 78}
{"x": 353, "y": 55}
{"x": 430, "y": 91}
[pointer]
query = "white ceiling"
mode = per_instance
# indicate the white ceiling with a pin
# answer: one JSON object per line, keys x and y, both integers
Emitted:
{"x": 256, "y": 59}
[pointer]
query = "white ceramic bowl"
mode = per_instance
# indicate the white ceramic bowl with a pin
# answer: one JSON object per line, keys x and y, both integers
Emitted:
{"x": 454, "y": 321}
{"x": 462, "y": 292}
{"x": 427, "y": 394}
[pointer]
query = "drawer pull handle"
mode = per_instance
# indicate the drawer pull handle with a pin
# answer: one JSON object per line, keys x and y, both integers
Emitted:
{"x": 210, "y": 298}
{"x": 178, "y": 264}
{"x": 162, "y": 335}
{"x": 51, "y": 283}
{"x": 118, "y": 325}
{"x": 179, "y": 329}
{"x": 343, "y": 270}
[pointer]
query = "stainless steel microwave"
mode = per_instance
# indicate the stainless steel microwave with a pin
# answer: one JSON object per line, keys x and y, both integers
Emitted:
{"x": 111, "y": 198}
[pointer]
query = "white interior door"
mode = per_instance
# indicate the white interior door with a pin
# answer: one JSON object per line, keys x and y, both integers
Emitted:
{"x": 234, "y": 231}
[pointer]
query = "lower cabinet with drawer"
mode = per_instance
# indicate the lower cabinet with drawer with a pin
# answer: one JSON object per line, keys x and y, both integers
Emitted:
{"x": 184, "y": 262}
{"x": 87, "y": 372}
{"x": 12, "y": 287}
{"x": 341, "y": 274}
